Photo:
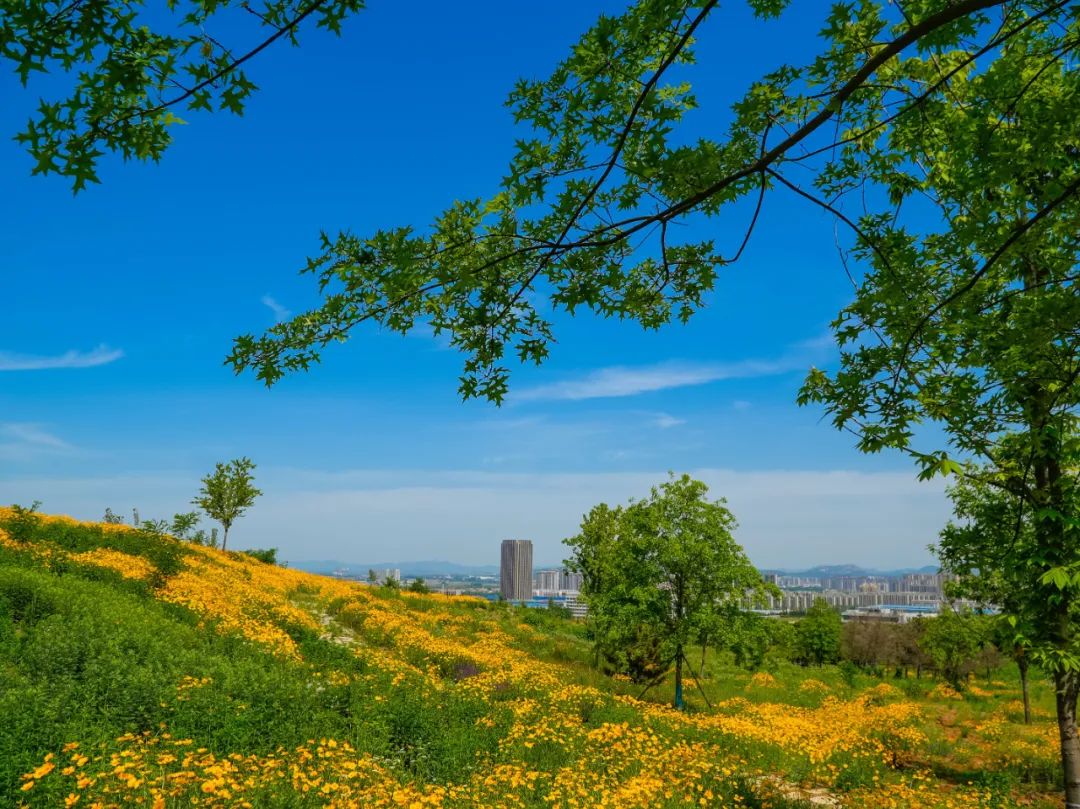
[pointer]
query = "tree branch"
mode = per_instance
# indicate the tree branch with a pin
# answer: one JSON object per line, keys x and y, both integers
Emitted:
{"x": 229, "y": 68}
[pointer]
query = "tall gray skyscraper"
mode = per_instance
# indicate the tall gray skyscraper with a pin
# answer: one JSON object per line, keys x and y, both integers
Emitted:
{"x": 515, "y": 573}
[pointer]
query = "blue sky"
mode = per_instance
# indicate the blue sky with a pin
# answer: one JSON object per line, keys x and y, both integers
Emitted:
{"x": 122, "y": 303}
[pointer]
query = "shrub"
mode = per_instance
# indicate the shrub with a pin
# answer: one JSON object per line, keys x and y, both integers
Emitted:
{"x": 267, "y": 555}
{"x": 23, "y": 523}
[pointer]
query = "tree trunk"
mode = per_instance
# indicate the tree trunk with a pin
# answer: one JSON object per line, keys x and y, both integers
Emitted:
{"x": 1023, "y": 665}
{"x": 1049, "y": 509}
{"x": 1067, "y": 684}
{"x": 678, "y": 680}
{"x": 225, "y": 537}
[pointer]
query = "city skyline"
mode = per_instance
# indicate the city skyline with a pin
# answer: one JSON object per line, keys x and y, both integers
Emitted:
{"x": 442, "y": 567}
{"x": 458, "y": 515}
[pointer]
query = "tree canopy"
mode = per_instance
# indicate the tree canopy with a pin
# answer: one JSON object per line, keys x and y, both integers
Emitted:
{"x": 588, "y": 214}
{"x": 227, "y": 493}
{"x": 657, "y": 575}
{"x": 817, "y": 635}
{"x": 953, "y": 640}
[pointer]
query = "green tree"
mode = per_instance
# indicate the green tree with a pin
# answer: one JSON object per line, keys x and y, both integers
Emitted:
{"x": 559, "y": 610}
{"x": 953, "y": 641}
{"x": 184, "y": 524}
{"x": 418, "y": 585}
{"x": 657, "y": 571}
{"x": 991, "y": 547}
{"x": 594, "y": 550}
{"x": 781, "y": 639}
{"x": 604, "y": 174}
{"x": 967, "y": 320}
{"x": 227, "y": 493}
{"x": 748, "y": 637}
{"x": 265, "y": 555}
{"x": 817, "y": 635}
{"x": 372, "y": 576}
{"x": 125, "y": 79}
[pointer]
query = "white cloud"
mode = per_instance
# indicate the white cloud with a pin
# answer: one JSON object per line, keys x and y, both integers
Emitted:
{"x": 28, "y": 433}
{"x": 630, "y": 381}
{"x": 624, "y": 380}
{"x": 280, "y": 312}
{"x": 787, "y": 518}
{"x": 26, "y": 441}
{"x": 666, "y": 421}
{"x": 102, "y": 355}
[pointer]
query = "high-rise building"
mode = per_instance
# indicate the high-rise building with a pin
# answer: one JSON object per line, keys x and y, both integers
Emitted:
{"x": 555, "y": 581}
{"x": 515, "y": 572}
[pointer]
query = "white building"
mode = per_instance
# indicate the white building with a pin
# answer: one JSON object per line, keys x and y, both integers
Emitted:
{"x": 556, "y": 582}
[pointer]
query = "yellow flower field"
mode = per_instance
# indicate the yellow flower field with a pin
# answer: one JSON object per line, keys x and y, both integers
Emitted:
{"x": 509, "y": 712}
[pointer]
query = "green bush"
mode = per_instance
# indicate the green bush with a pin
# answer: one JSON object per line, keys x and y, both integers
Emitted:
{"x": 267, "y": 555}
{"x": 163, "y": 552}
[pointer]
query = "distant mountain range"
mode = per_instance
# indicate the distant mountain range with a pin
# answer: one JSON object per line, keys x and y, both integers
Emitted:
{"x": 423, "y": 568}
{"x": 434, "y": 567}
{"x": 834, "y": 571}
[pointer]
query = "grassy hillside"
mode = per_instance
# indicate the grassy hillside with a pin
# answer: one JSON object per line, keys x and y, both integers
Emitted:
{"x": 138, "y": 670}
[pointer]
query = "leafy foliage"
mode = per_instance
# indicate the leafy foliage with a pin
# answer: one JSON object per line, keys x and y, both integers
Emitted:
{"x": 23, "y": 521}
{"x": 165, "y": 555}
{"x": 265, "y": 555}
{"x": 588, "y": 213}
{"x": 184, "y": 524}
{"x": 962, "y": 346}
{"x": 418, "y": 585}
{"x": 817, "y": 635}
{"x": 131, "y": 69}
{"x": 227, "y": 493}
{"x": 657, "y": 574}
{"x": 953, "y": 641}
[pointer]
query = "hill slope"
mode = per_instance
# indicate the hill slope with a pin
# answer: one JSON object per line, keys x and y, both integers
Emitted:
{"x": 136, "y": 669}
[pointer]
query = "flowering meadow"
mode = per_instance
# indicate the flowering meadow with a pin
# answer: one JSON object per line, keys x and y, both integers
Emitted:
{"x": 136, "y": 670}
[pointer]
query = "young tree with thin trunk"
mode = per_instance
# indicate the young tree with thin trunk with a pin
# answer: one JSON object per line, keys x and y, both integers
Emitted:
{"x": 227, "y": 493}
{"x": 658, "y": 571}
{"x": 990, "y": 546}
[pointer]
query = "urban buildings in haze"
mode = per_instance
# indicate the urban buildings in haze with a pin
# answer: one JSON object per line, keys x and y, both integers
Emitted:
{"x": 556, "y": 581}
{"x": 515, "y": 572}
